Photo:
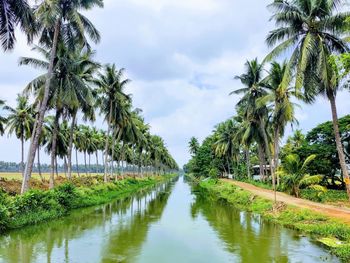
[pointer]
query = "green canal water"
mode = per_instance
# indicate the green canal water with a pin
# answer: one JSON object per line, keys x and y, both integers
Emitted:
{"x": 167, "y": 224}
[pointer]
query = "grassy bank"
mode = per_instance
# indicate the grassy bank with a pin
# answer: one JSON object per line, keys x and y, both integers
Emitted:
{"x": 37, "y": 206}
{"x": 333, "y": 234}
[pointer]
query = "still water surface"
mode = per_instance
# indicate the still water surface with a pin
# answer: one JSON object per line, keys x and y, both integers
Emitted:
{"x": 167, "y": 224}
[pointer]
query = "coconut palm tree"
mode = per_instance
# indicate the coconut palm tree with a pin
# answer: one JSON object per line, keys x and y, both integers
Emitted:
{"x": 315, "y": 30}
{"x": 2, "y": 119}
{"x": 60, "y": 20}
{"x": 254, "y": 115}
{"x": 193, "y": 145}
{"x": 225, "y": 143}
{"x": 280, "y": 100}
{"x": 294, "y": 175}
{"x": 111, "y": 91}
{"x": 12, "y": 14}
{"x": 57, "y": 144}
{"x": 20, "y": 122}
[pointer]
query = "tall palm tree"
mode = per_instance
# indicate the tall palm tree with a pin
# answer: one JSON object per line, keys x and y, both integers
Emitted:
{"x": 20, "y": 122}
{"x": 2, "y": 119}
{"x": 193, "y": 145}
{"x": 255, "y": 115}
{"x": 315, "y": 30}
{"x": 13, "y": 13}
{"x": 280, "y": 97}
{"x": 60, "y": 20}
{"x": 111, "y": 91}
{"x": 225, "y": 143}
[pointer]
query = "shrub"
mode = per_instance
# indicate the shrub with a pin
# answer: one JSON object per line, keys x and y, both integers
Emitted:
{"x": 4, "y": 217}
{"x": 214, "y": 173}
{"x": 65, "y": 195}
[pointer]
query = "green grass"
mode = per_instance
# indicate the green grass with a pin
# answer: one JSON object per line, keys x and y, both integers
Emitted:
{"x": 331, "y": 196}
{"x": 36, "y": 206}
{"x": 306, "y": 221}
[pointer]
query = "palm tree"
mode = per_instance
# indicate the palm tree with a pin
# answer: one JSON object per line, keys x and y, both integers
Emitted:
{"x": 315, "y": 29}
{"x": 83, "y": 69}
{"x": 2, "y": 119}
{"x": 294, "y": 175}
{"x": 13, "y": 13}
{"x": 60, "y": 20}
{"x": 280, "y": 97}
{"x": 225, "y": 143}
{"x": 98, "y": 141}
{"x": 20, "y": 121}
{"x": 193, "y": 145}
{"x": 111, "y": 86}
{"x": 255, "y": 116}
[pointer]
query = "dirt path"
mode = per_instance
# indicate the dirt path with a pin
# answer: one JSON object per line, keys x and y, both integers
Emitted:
{"x": 342, "y": 214}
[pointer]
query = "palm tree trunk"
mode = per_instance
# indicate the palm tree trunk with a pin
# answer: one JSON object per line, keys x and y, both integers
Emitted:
{"x": 65, "y": 166}
{"x": 261, "y": 161}
{"x": 276, "y": 153}
{"x": 39, "y": 165}
{"x": 86, "y": 170}
{"x": 22, "y": 155}
{"x": 53, "y": 149}
{"x": 39, "y": 123}
{"x": 247, "y": 154}
{"x": 340, "y": 150}
{"x": 107, "y": 140}
{"x": 112, "y": 155}
{"x": 56, "y": 167}
{"x": 70, "y": 146}
{"x": 268, "y": 153}
{"x": 98, "y": 170}
{"x": 77, "y": 161}
{"x": 89, "y": 164}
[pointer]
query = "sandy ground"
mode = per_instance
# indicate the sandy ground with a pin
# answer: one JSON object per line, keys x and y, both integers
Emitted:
{"x": 343, "y": 214}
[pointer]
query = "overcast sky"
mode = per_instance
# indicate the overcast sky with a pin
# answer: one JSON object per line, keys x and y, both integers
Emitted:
{"x": 182, "y": 56}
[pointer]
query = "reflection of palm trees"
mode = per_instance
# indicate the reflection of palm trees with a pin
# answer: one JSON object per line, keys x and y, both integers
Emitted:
{"x": 127, "y": 237}
{"x": 134, "y": 216}
{"x": 244, "y": 235}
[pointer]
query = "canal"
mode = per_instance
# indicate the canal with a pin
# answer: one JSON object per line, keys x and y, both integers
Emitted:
{"x": 167, "y": 224}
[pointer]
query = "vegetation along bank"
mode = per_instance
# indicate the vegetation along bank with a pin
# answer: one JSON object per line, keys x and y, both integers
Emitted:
{"x": 331, "y": 233}
{"x": 37, "y": 206}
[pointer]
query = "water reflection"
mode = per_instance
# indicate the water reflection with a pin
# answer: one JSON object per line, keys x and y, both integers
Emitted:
{"x": 254, "y": 239}
{"x": 108, "y": 233}
{"x": 167, "y": 224}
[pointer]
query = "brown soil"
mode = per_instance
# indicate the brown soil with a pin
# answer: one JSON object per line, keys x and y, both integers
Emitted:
{"x": 13, "y": 187}
{"x": 340, "y": 213}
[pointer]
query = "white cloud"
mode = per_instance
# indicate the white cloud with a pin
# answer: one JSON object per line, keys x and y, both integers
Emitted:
{"x": 182, "y": 56}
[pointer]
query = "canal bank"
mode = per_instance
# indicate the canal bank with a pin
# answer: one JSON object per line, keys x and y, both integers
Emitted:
{"x": 38, "y": 206}
{"x": 328, "y": 232}
{"x": 167, "y": 224}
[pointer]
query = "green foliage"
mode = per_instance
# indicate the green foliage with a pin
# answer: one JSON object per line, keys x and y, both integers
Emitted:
{"x": 331, "y": 196}
{"x": 321, "y": 142}
{"x": 36, "y": 206}
{"x": 303, "y": 220}
{"x": 65, "y": 195}
{"x": 205, "y": 159}
{"x": 214, "y": 173}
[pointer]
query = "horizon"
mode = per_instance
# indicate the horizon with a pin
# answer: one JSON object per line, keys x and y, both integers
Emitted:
{"x": 195, "y": 50}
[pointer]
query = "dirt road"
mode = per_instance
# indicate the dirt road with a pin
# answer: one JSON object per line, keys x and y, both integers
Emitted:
{"x": 340, "y": 213}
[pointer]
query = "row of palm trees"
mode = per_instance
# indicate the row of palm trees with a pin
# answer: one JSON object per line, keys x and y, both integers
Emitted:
{"x": 73, "y": 87}
{"x": 313, "y": 33}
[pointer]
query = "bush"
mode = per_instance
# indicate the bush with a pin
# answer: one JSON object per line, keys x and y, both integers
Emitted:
{"x": 214, "y": 173}
{"x": 4, "y": 217}
{"x": 65, "y": 195}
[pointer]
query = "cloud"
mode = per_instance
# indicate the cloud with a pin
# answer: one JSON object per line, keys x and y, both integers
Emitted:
{"x": 181, "y": 56}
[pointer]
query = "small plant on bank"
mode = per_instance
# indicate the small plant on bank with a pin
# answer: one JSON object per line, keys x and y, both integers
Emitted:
{"x": 294, "y": 177}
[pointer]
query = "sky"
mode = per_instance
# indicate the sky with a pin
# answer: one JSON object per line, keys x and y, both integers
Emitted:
{"x": 182, "y": 56}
